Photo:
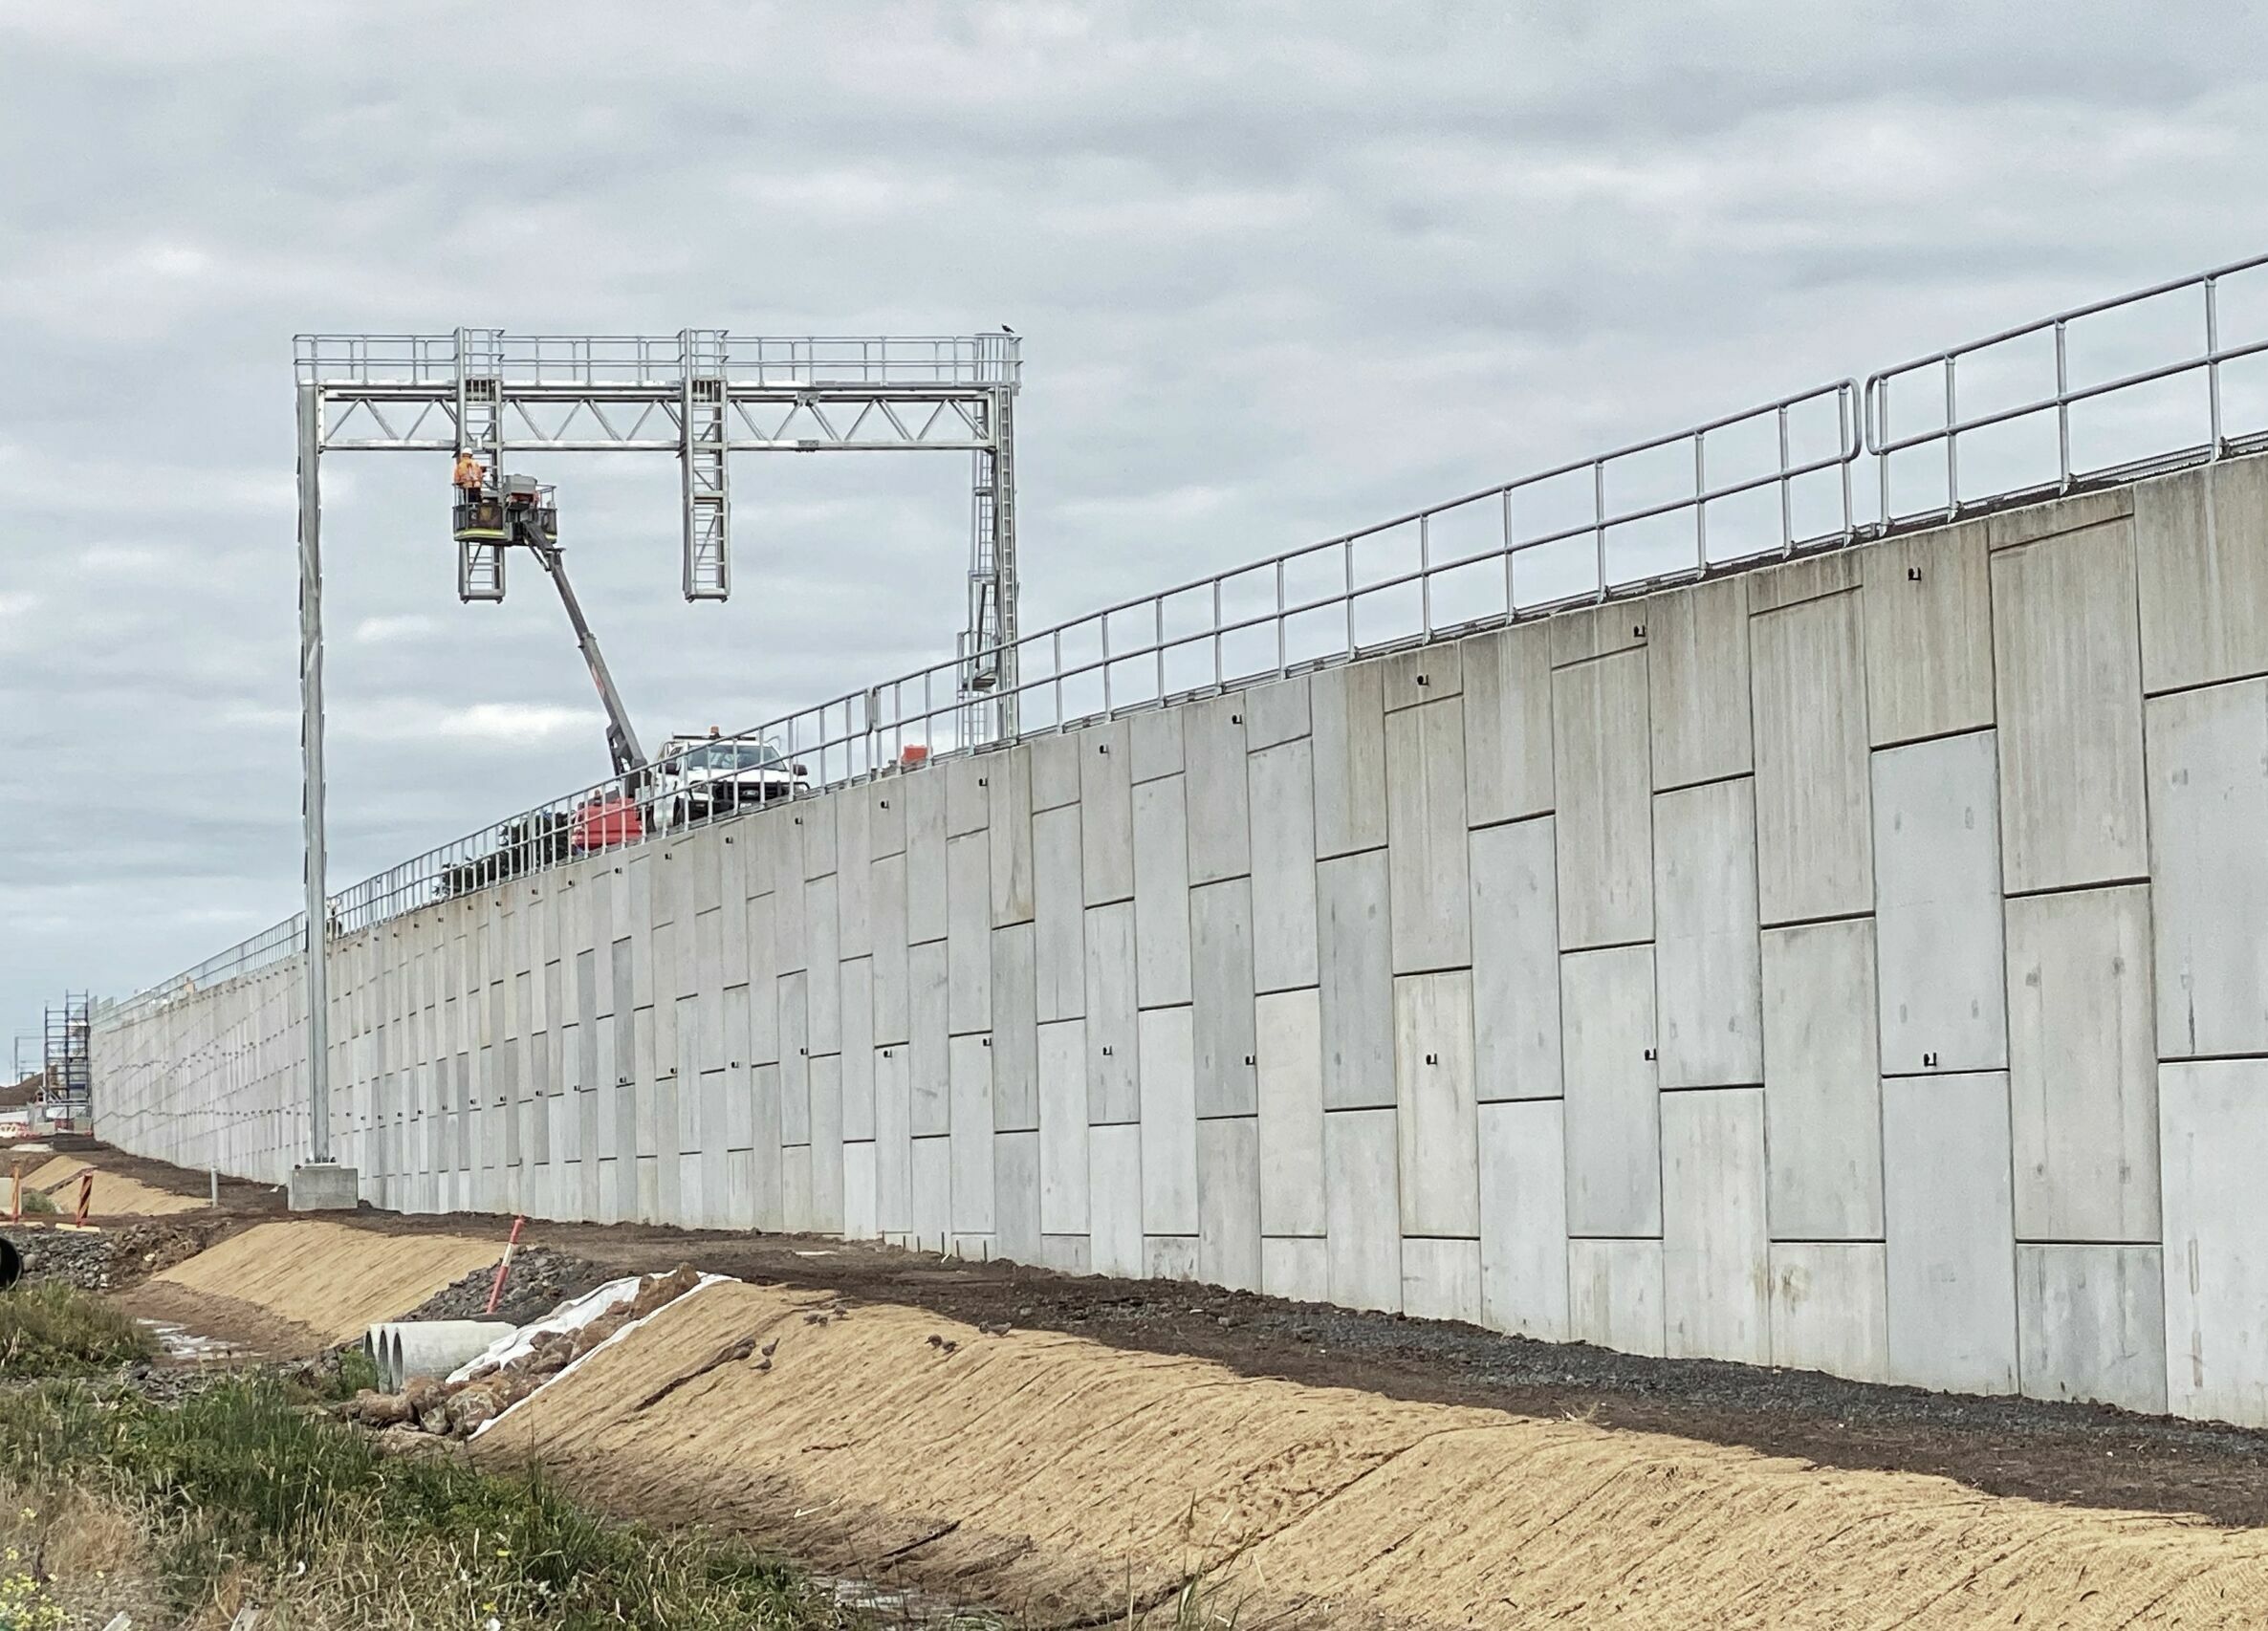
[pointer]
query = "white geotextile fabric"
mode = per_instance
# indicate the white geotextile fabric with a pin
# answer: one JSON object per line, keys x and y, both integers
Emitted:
{"x": 574, "y": 1317}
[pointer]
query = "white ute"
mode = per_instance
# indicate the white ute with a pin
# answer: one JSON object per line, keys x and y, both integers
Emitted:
{"x": 695, "y": 778}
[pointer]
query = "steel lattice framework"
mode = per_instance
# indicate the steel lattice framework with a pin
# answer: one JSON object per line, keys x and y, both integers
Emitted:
{"x": 701, "y": 394}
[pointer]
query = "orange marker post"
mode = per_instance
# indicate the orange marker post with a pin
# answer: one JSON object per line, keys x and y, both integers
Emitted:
{"x": 504, "y": 1266}
{"x": 86, "y": 1192}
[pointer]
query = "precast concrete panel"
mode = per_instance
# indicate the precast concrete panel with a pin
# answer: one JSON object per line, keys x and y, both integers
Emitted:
{"x": 1708, "y": 981}
{"x": 860, "y": 1216}
{"x": 2201, "y": 551}
{"x": 893, "y": 1139}
{"x": 1105, "y": 814}
{"x": 1220, "y": 815}
{"x": 971, "y": 1121}
{"x": 1016, "y": 1196}
{"x": 1814, "y": 826}
{"x": 1113, "y": 1051}
{"x": 1296, "y": 1269}
{"x": 886, "y": 901}
{"x": 1507, "y": 725}
{"x": 968, "y": 801}
{"x": 763, "y": 979}
{"x": 1221, "y": 956}
{"x": 791, "y": 932}
{"x": 1426, "y": 674}
{"x": 1282, "y": 783}
{"x": 1523, "y": 1219}
{"x": 925, "y": 910}
{"x": 2009, "y": 528}
{"x": 738, "y": 1124}
{"x": 1716, "y": 1268}
{"x": 1596, "y": 631}
{"x": 1823, "y": 1088}
{"x": 1350, "y": 759}
{"x": 1114, "y": 1198}
{"x": 1434, "y": 1100}
{"x": 1614, "y": 1295}
{"x": 1066, "y": 1253}
{"x": 1357, "y": 996}
{"x": 1697, "y": 685}
{"x": 794, "y": 1059}
{"x": 1058, "y": 912}
{"x": 932, "y": 1194}
{"x": 2068, "y": 696}
{"x": 2091, "y": 1324}
{"x": 1944, "y": 1002}
{"x": 1161, "y": 893}
{"x": 1614, "y": 1171}
{"x": 1777, "y": 587}
{"x": 2213, "y": 1124}
{"x": 816, "y": 828}
{"x": 2084, "y": 1068}
{"x": 823, "y": 967}
{"x": 885, "y": 818}
{"x": 854, "y": 872}
{"x": 1168, "y": 1123}
{"x": 926, "y": 975}
{"x": 1829, "y": 1308}
{"x": 1016, "y": 1043}
{"x": 1169, "y": 1257}
{"x": 2209, "y": 867}
{"x": 1154, "y": 739}
{"x": 1950, "y": 1233}
{"x": 970, "y": 914}
{"x": 1063, "y": 1127}
{"x": 1009, "y": 786}
{"x": 1229, "y": 1202}
{"x": 1441, "y": 1279}
{"x": 1515, "y": 961}
{"x": 1430, "y": 898}
{"x": 1055, "y": 771}
{"x": 1361, "y": 1159}
{"x": 826, "y": 1144}
{"x": 1604, "y": 829}
{"x": 1276, "y": 713}
{"x": 1928, "y": 605}
{"x": 1291, "y": 1112}
{"x": 857, "y": 1049}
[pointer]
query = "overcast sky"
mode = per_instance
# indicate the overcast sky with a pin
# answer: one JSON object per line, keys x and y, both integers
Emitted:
{"x": 1279, "y": 270}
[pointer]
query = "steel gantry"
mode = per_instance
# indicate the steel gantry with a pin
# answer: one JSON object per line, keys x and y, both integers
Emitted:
{"x": 702, "y": 395}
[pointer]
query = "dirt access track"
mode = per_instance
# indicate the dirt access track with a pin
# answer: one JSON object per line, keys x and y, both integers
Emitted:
{"x": 1401, "y": 1471}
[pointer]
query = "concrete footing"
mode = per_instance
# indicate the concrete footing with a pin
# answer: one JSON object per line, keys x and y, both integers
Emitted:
{"x": 325, "y": 1188}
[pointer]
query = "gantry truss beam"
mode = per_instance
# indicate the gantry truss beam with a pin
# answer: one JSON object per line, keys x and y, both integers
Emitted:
{"x": 702, "y": 394}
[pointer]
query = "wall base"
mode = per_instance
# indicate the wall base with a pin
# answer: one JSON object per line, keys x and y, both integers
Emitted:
{"x": 325, "y": 1188}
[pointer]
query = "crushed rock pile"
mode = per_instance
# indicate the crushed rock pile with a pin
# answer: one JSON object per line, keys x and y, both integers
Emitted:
{"x": 541, "y": 1279}
{"x": 459, "y": 1407}
{"x": 108, "y": 1260}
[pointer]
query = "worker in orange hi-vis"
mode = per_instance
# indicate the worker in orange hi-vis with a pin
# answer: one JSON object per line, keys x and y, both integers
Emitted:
{"x": 469, "y": 472}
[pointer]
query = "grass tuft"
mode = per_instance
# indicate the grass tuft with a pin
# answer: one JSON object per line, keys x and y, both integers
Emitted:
{"x": 50, "y": 1328}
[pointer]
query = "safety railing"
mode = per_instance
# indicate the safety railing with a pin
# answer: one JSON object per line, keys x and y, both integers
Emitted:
{"x": 658, "y": 361}
{"x": 1771, "y": 481}
{"x": 2041, "y": 379}
{"x": 277, "y": 944}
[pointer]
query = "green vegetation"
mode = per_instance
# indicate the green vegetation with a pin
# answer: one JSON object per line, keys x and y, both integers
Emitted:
{"x": 37, "y": 1204}
{"x": 50, "y": 1328}
{"x": 249, "y": 1494}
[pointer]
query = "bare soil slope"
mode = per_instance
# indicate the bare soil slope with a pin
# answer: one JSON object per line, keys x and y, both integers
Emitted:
{"x": 1055, "y": 1477}
{"x": 115, "y": 1195}
{"x": 326, "y": 1277}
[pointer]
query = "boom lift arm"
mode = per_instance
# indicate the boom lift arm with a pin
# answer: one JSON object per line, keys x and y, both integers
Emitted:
{"x": 621, "y": 740}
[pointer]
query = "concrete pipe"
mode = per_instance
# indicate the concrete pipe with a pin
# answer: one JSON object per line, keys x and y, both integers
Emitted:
{"x": 432, "y": 1347}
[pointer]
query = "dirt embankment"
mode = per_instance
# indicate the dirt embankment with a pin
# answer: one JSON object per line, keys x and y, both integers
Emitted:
{"x": 115, "y": 1195}
{"x": 297, "y": 1286}
{"x": 1050, "y": 1475}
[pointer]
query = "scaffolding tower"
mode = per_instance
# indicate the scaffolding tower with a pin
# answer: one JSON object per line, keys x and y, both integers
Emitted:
{"x": 67, "y": 1070}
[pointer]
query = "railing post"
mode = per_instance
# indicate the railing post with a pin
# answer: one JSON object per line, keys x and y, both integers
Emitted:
{"x": 2212, "y": 362}
{"x": 1952, "y": 445}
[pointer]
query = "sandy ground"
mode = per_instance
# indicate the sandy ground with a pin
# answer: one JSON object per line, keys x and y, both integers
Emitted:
{"x": 2084, "y": 1454}
{"x": 116, "y": 1195}
{"x": 329, "y": 1279}
{"x": 1051, "y": 1474}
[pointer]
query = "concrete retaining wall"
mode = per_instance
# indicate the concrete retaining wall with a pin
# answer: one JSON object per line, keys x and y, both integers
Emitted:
{"x": 1860, "y": 963}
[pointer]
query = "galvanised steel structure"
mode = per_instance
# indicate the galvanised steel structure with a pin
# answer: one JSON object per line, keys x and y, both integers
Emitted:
{"x": 701, "y": 395}
{"x": 1760, "y": 486}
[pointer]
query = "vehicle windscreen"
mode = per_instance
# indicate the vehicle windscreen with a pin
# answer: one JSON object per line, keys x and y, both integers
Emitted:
{"x": 727, "y": 757}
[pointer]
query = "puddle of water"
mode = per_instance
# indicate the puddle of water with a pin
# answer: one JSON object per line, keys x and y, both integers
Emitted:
{"x": 176, "y": 1341}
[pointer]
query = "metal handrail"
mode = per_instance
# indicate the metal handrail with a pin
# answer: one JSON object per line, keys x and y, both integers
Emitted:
{"x": 863, "y": 735}
{"x": 654, "y": 361}
{"x": 2058, "y": 396}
